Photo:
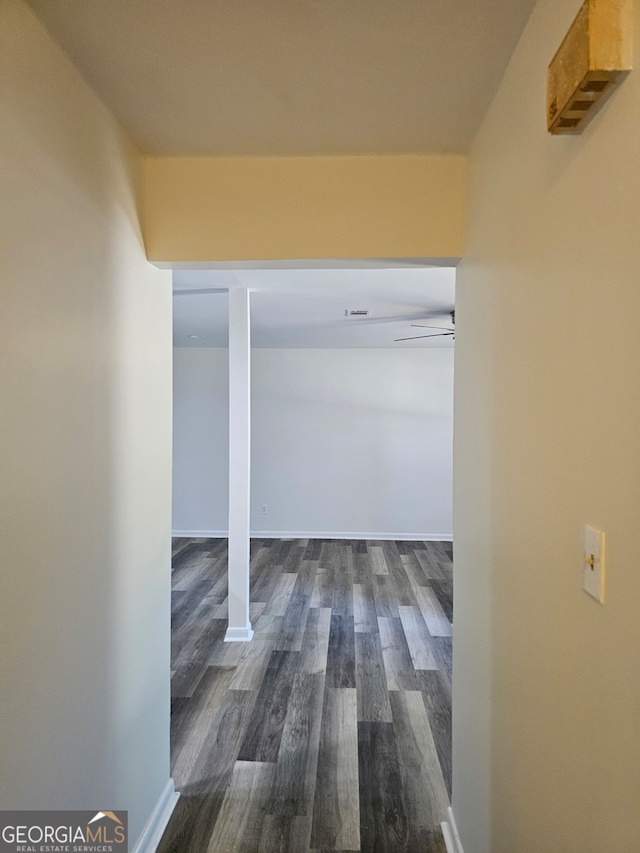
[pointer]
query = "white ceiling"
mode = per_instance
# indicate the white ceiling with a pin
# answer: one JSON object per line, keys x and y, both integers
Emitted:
{"x": 303, "y": 308}
{"x": 286, "y": 77}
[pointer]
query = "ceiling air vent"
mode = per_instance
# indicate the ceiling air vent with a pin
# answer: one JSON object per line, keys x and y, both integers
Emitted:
{"x": 357, "y": 312}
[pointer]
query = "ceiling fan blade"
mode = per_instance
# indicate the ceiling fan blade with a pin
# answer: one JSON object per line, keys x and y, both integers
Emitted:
{"x": 416, "y": 337}
{"x": 424, "y": 326}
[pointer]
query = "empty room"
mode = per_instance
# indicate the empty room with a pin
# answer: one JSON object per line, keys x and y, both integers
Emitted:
{"x": 331, "y": 727}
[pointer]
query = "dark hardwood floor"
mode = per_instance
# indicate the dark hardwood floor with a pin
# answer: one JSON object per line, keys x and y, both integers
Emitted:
{"x": 331, "y": 730}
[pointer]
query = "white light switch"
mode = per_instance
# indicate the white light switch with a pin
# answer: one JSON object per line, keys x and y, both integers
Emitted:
{"x": 593, "y": 578}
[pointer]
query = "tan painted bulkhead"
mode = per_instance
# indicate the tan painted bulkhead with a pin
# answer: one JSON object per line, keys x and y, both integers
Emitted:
{"x": 266, "y": 208}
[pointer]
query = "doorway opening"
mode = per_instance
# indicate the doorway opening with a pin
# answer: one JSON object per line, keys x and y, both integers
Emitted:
{"x": 349, "y": 672}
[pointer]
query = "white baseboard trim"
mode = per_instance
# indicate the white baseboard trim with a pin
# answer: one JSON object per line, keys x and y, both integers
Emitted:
{"x": 350, "y": 534}
{"x": 239, "y": 635}
{"x": 157, "y": 823}
{"x": 315, "y": 534}
{"x": 450, "y": 832}
{"x": 200, "y": 534}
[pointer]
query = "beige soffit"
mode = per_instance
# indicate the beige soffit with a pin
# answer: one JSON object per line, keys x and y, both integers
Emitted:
{"x": 292, "y": 77}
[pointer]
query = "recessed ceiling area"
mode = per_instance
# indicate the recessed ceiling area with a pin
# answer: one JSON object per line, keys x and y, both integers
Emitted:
{"x": 292, "y": 77}
{"x": 307, "y": 308}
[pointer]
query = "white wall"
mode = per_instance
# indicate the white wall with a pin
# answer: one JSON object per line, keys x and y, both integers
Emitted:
{"x": 343, "y": 441}
{"x": 200, "y": 439}
{"x": 546, "y": 688}
{"x": 86, "y": 389}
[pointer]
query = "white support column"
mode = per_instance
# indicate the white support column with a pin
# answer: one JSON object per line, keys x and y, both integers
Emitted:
{"x": 239, "y": 626}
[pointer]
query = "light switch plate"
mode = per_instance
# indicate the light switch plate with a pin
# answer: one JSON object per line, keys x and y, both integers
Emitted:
{"x": 593, "y": 577}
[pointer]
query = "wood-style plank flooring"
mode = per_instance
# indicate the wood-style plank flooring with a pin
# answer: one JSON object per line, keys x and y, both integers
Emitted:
{"x": 331, "y": 730}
